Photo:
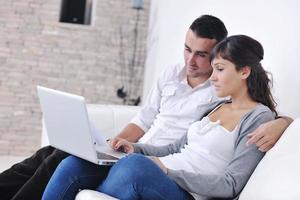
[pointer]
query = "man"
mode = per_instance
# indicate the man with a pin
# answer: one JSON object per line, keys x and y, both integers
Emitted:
{"x": 176, "y": 101}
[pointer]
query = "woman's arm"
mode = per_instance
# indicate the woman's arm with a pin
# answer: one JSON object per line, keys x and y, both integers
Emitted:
{"x": 160, "y": 151}
{"x": 120, "y": 144}
{"x": 230, "y": 183}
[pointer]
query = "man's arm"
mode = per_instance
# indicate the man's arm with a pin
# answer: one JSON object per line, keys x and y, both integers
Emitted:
{"x": 131, "y": 133}
{"x": 267, "y": 134}
{"x": 142, "y": 122}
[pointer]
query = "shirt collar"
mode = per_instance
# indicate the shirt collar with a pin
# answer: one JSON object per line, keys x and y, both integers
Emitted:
{"x": 182, "y": 78}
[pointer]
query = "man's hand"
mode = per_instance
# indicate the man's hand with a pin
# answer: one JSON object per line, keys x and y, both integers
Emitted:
{"x": 159, "y": 163}
{"x": 119, "y": 144}
{"x": 267, "y": 134}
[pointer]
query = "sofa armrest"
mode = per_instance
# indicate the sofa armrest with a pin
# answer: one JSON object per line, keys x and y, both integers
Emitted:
{"x": 109, "y": 119}
{"x": 92, "y": 195}
{"x": 277, "y": 175}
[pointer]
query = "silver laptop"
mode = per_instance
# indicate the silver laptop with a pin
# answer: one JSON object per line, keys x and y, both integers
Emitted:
{"x": 69, "y": 128}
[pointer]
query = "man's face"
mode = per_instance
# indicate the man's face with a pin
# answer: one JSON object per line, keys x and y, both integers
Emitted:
{"x": 196, "y": 55}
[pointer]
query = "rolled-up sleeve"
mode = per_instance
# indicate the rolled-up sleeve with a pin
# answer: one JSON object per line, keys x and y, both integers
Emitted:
{"x": 144, "y": 119}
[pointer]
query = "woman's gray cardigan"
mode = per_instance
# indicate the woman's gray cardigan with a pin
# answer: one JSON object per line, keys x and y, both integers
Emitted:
{"x": 229, "y": 183}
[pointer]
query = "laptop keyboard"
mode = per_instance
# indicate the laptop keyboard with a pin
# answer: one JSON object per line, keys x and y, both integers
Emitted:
{"x": 104, "y": 156}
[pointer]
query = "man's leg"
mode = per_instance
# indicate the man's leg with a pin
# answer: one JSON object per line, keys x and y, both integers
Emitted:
{"x": 36, "y": 184}
{"x": 15, "y": 177}
{"x": 71, "y": 175}
{"x": 137, "y": 177}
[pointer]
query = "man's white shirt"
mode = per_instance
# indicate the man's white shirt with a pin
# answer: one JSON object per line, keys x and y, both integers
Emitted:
{"x": 172, "y": 106}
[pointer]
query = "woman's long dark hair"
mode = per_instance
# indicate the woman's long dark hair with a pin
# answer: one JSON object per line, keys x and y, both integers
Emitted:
{"x": 244, "y": 51}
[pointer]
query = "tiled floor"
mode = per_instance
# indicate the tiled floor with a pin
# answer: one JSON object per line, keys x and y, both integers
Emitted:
{"x": 8, "y": 161}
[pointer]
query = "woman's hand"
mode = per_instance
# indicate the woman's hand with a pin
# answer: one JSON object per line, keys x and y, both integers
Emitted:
{"x": 120, "y": 144}
{"x": 159, "y": 163}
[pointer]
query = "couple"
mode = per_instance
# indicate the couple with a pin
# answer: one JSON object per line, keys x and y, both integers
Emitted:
{"x": 180, "y": 97}
{"x": 213, "y": 160}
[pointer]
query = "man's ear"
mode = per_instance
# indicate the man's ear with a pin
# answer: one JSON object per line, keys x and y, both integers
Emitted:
{"x": 245, "y": 72}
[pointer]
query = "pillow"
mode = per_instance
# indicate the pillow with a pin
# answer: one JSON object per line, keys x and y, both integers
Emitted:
{"x": 277, "y": 176}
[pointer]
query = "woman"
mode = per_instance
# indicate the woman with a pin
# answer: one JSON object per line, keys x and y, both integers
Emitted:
{"x": 213, "y": 160}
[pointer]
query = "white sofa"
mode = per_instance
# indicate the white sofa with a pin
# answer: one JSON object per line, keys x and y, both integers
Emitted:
{"x": 277, "y": 177}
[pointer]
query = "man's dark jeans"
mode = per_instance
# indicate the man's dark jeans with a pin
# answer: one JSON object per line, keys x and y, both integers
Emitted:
{"x": 28, "y": 179}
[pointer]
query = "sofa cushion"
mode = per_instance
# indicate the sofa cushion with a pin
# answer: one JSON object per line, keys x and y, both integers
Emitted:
{"x": 277, "y": 176}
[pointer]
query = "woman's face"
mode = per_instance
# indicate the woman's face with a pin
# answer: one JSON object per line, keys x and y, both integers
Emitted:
{"x": 226, "y": 79}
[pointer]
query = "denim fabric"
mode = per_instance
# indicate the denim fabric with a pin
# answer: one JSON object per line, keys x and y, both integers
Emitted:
{"x": 132, "y": 177}
{"x": 72, "y": 175}
{"x": 138, "y": 177}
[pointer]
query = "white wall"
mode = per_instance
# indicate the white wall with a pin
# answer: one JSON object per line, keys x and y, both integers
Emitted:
{"x": 275, "y": 23}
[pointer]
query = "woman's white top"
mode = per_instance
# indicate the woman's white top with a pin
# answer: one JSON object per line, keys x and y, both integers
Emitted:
{"x": 209, "y": 149}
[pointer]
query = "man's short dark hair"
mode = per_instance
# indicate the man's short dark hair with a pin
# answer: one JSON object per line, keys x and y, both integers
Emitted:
{"x": 208, "y": 26}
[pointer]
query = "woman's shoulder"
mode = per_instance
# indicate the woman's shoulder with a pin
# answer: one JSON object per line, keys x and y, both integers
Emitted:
{"x": 253, "y": 119}
{"x": 258, "y": 115}
{"x": 262, "y": 110}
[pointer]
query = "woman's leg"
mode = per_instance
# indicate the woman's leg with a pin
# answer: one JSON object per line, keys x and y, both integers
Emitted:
{"x": 72, "y": 175}
{"x": 138, "y": 177}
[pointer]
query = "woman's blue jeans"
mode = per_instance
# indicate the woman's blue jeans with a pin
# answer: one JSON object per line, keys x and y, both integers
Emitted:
{"x": 133, "y": 177}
